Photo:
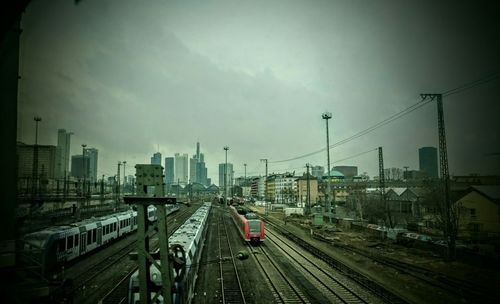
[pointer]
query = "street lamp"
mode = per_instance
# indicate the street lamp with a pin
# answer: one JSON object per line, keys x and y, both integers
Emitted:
{"x": 225, "y": 176}
{"x": 326, "y": 116}
{"x": 34, "y": 186}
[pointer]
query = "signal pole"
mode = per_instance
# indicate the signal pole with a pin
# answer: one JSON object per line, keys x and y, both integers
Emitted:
{"x": 265, "y": 186}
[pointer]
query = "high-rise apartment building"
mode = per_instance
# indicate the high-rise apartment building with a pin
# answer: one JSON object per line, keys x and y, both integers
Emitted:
{"x": 181, "y": 168}
{"x": 62, "y": 154}
{"x": 427, "y": 157}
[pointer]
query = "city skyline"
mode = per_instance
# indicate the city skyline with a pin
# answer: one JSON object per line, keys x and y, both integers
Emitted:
{"x": 95, "y": 86}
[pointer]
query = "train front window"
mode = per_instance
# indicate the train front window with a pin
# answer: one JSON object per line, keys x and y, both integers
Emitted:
{"x": 254, "y": 226}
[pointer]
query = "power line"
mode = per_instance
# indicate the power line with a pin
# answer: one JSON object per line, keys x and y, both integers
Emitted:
{"x": 398, "y": 115}
{"x": 391, "y": 118}
{"x": 356, "y": 155}
{"x": 472, "y": 84}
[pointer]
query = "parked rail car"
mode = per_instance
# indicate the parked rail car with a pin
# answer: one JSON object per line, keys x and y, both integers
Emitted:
{"x": 189, "y": 238}
{"x": 250, "y": 226}
{"x": 54, "y": 246}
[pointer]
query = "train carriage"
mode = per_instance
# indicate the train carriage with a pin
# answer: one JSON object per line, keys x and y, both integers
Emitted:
{"x": 250, "y": 226}
{"x": 190, "y": 237}
{"x": 109, "y": 228}
{"x": 53, "y": 246}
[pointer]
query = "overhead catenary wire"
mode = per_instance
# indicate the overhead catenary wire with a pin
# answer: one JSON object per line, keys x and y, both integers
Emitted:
{"x": 334, "y": 163}
{"x": 398, "y": 115}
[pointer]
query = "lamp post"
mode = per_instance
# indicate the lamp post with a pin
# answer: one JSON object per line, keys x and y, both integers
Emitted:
{"x": 326, "y": 116}
{"x": 34, "y": 187}
{"x": 225, "y": 176}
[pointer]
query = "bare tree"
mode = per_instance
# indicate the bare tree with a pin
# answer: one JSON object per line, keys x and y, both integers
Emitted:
{"x": 446, "y": 217}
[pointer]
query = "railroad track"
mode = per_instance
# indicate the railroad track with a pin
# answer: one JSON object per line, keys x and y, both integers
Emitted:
{"x": 231, "y": 290}
{"x": 284, "y": 291}
{"x": 118, "y": 294}
{"x": 84, "y": 279}
{"x": 468, "y": 290}
{"x": 334, "y": 288}
{"x": 380, "y": 291}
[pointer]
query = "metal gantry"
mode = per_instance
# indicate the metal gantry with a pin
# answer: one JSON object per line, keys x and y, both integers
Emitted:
{"x": 152, "y": 176}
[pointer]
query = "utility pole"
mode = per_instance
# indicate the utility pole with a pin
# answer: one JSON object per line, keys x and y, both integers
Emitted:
{"x": 265, "y": 186}
{"x": 381, "y": 178}
{"x": 445, "y": 175}
{"x": 326, "y": 116}
{"x": 34, "y": 186}
{"x": 245, "y": 165}
{"x": 308, "y": 192}
{"x": 225, "y": 176}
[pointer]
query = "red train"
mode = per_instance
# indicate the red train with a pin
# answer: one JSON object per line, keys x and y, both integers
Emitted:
{"x": 251, "y": 227}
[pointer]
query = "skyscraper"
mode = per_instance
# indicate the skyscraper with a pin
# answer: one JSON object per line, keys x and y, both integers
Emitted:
{"x": 62, "y": 153}
{"x": 91, "y": 153}
{"x": 230, "y": 174}
{"x": 156, "y": 159}
{"x": 427, "y": 157}
{"x": 169, "y": 171}
{"x": 181, "y": 168}
{"x": 197, "y": 168}
{"x": 80, "y": 166}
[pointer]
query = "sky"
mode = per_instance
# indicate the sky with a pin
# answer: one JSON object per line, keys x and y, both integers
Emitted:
{"x": 132, "y": 78}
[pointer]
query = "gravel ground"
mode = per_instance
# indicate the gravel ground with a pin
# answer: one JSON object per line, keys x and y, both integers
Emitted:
{"x": 413, "y": 290}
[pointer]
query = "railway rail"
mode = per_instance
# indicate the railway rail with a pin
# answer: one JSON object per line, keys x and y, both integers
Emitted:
{"x": 332, "y": 286}
{"x": 231, "y": 290}
{"x": 378, "y": 290}
{"x": 284, "y": 291}
{"x": 465, "y": 289}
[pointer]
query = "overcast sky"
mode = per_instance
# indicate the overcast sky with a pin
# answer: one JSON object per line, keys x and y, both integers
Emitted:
{"x": 130, "y": 77}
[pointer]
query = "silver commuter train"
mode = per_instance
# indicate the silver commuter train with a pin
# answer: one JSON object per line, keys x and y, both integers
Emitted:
{"x": 57, "y": 245}
{"x": 190, "y": 236}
